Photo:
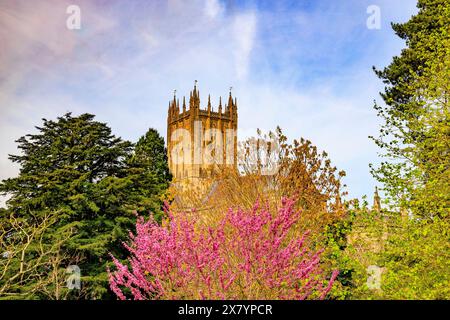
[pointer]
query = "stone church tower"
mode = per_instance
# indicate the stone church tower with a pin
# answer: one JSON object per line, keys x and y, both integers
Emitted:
{"x": 200, "y": 140}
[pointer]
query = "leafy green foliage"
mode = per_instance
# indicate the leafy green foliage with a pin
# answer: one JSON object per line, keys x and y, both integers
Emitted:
{"x": 416, "y": 130}
{"x": 417, "y": 261}
{"x": 412, "y": 247}
{"x": 413, "y": 254}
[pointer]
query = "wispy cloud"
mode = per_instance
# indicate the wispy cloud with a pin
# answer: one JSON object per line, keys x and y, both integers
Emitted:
{"x": 244, "y": 32}
{"x": 213, "y": 8}
{"x": 303, "y": 65}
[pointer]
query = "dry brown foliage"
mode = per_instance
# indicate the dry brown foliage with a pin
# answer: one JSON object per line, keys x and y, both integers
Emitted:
{"x": 303, "y": 173}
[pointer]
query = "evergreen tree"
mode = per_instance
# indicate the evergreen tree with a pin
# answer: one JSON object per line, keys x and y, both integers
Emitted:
{"x": 76, "y": 167}
{"x": 151, "y": 153}
{"x": 149, "y": 165}
{"x": 416, "y": 129}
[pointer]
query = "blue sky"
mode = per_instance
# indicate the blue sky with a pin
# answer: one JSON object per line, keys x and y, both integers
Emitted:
{"x": 303, "y": 65}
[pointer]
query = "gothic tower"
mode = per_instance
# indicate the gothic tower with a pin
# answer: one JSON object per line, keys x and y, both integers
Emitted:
{"x": 200, "y": 140}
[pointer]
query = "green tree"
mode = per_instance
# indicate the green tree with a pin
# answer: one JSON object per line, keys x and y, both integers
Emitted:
{"x": 150, "y": 152}
{"x": 149, "y": 164}
{"x": 412, "y": 254}
{"x": 415, "y": 136}
{"x": 416, "y": 130}
{"x": 417, "y": 261}
{"x": 76, "y": 167}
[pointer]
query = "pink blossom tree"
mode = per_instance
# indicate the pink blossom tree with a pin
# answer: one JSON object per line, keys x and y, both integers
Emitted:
{"x": 249, "y": 255}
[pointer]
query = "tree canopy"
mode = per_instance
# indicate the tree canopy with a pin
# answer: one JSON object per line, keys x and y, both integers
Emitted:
{"x": 75, "y": 167}
{"x": 416, "y": 131}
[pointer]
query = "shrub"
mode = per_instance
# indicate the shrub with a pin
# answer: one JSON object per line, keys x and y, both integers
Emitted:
{"x": 248, "y": 255}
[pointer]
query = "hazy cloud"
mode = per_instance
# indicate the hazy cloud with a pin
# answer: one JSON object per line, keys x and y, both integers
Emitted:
{"x": 244, "y": 32}
{"x": 305, "y": 66}
{"x": 213, "y": 8}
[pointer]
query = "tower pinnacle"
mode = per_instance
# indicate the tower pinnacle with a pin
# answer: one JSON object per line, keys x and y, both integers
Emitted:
{"x": 376, "y": 201}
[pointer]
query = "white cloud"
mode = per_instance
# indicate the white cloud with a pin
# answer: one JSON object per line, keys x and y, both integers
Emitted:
{"x": 244, "y": 32}
{"x": 213, "y": 8}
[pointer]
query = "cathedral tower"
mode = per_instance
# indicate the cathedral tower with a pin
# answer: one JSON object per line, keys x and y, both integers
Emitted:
{"x": 199, "y": 140}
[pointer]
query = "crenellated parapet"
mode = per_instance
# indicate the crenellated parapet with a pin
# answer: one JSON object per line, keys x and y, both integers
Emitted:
{"x": 175, "y": 113}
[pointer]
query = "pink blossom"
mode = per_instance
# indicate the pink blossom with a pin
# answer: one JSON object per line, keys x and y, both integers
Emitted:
{"x": 249, "y": 255}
